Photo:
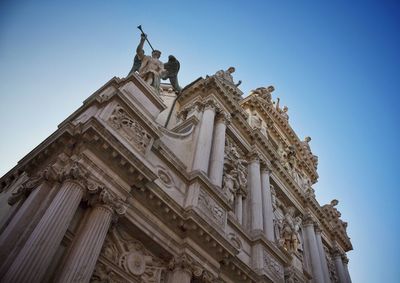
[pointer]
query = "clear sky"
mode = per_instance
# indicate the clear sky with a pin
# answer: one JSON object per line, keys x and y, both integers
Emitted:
{"x": 335, "y": 64}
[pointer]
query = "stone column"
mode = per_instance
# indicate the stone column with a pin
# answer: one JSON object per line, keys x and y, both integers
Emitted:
{"x": 337, "y": 255}
{"x": 204, "y": 139}
{"x": 86, "y": 248}
{"x": 268, "y": 214}
{"x": 345, "y": 261}
{"x": 322, "y": 255}
{"x": 23, "y": 223}
{"x": 37, "y": 253}
{"x": 239, "y": 207}
{"x": 255, "y": 193}
{"x": 316, "y": 268}
{"x": 181, "y": 270}
{"x": 218, "y": 150}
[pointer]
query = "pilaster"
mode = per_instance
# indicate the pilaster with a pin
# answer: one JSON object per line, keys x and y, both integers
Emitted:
{"x": 255, "y": 193}
{"x": 268, "y": 215}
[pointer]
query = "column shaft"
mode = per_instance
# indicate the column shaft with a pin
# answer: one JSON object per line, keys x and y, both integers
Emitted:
{"x": 204, "y": 140}
{"x": 256, "y": 197}
{"x": 86, "y": 248}
{"x": 346, "y": 272}
{"x": 340, "y": 268}
{"x": 322, "y": 255}
{"x": 37, "y": 253}
{"x": 22, "y": 224}
{"x": 316, "y": 267}
{"x": 217, "y": 153}
{"x": 180, "y": 275}
{"x": 239, "y": 208}
{"x": 268, "y": 213}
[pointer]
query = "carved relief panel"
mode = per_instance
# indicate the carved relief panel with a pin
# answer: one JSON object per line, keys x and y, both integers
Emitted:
{"x": 125, "y": 259}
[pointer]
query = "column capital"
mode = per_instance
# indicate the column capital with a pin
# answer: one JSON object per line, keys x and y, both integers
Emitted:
{"x": 254, "y": 156}
{"x": 345, "y": 259}
{"x": 210, "y": 103}
{"x": 317, "y": 228}
{"x": 45, "y": 175}
{"x": 104, "y": 198}
{"x": 308, "y": 219}
{"x": 223, "y": 117}
{"x": 266, "y": 166}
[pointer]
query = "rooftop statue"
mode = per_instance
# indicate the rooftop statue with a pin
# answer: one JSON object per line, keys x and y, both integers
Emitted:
{"x": 151, "y": 69}
{"x": 263, "y": 92}
{"x": 227, "y": 76}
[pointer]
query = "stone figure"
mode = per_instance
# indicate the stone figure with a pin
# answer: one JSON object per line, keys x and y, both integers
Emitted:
{"x": 290, "y": 236}
{"x": 136, "y": 65}
{"x": 306, "y": 144}
{"x": 263, "y": 92}
{"x": 230, "y": 185}
{"x": 171, "y": 72}
{"x": 151, "y": 68}
{"x": 283, "y": 111}
{"x": 227, "y": 76}
{"x": 256, "y": 121}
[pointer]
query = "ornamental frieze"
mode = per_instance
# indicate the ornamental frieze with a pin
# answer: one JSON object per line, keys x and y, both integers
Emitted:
{"x": 271, "y": 266}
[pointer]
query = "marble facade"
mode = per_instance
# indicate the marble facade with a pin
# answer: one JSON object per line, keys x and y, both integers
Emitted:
{"x": 205, "y": 186}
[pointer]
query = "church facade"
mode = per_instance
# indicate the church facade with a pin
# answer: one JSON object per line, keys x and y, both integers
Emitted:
{"x": 205, "y": 186}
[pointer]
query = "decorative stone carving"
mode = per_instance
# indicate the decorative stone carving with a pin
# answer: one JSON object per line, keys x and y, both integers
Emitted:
{"x": 132, "y": 257}
{"x": 210, "y": 208}
{"x": 165, "y": 177}
{"x": 255, "y": 121}
{"x": 130, "y": 129}
{"x": 264, "y": 93}
{"x": 235, "y": 240}
{"x": 235, "y": 172}
{"x": 29, "y": 185}
{"x": 289, "y": 234}
{"x": 104, "y": 274}
{"x": 272, "y": 266}
{"x": 331, "y": 266}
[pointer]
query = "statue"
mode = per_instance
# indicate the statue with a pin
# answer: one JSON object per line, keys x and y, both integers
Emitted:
{"x": 263, "y": 92}
{"x": 227, "y": 76}
{"x": 229, "y": 186}
{"x": 290, "y": 236}
{"x": 283, "y": 112}
{"x": 151, "y": 68}
{"x": 171, "y": 72}
{"x": 256, "y": 121}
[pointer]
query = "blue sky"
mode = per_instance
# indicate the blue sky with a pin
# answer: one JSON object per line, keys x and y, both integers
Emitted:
{"x": 335, "y": 64}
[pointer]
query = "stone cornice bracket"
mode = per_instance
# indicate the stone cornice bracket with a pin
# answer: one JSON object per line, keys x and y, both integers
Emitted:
{"x": 47, "y": 174}
{"x": 224, "y": 117}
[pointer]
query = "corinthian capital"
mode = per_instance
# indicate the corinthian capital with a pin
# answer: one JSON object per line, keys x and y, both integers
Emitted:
{"x": 103, "y": 197}
{"x": 210, "y": 103}
{"x": 223, "y": 117}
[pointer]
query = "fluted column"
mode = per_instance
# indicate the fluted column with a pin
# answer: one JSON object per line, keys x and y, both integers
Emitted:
{"x": 24, "y": 221}
{"x": 182, "y": 270}
{"x": 217, "y": 154}
{"x": 346, "y": 268}
{"x": 255, "y": 191}
{"x": 268, "y": 214}
{"x": 204, "y": 140}
{"x": 339, "y": 266}
{"x": 36, "y": 255}
{"x": 322, "y": 255}
{"x": 85, "y": 250}
{"x": 316, "y": 268}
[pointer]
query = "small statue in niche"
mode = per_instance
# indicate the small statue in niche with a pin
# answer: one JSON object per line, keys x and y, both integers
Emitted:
{"x": 230, "y": 185}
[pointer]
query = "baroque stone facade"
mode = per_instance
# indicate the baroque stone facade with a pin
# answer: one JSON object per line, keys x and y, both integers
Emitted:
{"x": 139, "y": 185}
